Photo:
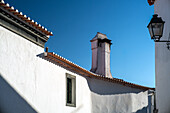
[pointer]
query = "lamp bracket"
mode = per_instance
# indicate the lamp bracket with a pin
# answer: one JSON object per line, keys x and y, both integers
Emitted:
{"x": 167, "y": 43}
{"x": 161, "y": 40}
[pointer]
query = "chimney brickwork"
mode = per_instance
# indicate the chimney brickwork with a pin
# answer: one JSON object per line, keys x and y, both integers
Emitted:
{"x": 100, "y": 46}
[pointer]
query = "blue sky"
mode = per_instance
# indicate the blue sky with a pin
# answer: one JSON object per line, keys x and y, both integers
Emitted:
{"x": 75, "y": 22}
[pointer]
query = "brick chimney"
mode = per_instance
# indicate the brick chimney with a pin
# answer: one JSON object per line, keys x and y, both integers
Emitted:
{"x": 100, "y": 46}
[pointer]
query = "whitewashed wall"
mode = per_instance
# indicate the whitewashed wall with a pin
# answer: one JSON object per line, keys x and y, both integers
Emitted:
{"x": 162, "y": 59}
{"x": 31, "y": 84}
{"x": 39, "y": 82}
{"x": 114, "y": 98}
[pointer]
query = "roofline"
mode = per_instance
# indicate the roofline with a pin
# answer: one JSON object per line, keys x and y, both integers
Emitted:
{"x": 24, "y": 18}
{"x": 68, "y": 64}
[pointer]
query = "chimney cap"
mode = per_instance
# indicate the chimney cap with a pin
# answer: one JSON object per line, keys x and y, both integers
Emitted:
{"x": 99, "y": 36}
{"x": 101, "y": 33}
{"x": 105, "y": 40}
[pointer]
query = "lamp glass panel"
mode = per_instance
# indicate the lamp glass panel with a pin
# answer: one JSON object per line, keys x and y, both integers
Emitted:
{"x": 150, "y": 30}
{"x": 157, "y": 29}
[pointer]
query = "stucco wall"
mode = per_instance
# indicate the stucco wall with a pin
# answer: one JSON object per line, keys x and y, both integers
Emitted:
{"x": 114, "y": 98}
{"x": 162, "y": 59}
{"x": 39, "y": 82}
{"x": 33, "y": 84}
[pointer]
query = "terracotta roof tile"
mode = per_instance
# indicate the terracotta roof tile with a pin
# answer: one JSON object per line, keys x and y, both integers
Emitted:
{"x": 15, "y": 12}
{"x": 68, "y": 64}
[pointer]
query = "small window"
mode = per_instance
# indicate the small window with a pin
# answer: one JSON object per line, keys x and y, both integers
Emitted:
{"x": 70, "y": 90}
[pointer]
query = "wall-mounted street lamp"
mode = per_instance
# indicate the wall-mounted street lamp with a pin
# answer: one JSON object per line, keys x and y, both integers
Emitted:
{"x": 155, "y": 27}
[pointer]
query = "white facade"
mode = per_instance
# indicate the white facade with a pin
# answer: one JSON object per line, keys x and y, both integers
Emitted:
{"x": 39, "y": 82}
{"x": 31, "y": 83}
{"x": 162, "y": 59}
{"x": 42, "y": 84}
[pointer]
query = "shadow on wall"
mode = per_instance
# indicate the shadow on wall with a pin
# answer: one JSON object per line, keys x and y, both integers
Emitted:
{"x": 98, "y": 86}
{"x": 108, "y": 88}
{"x": 108, "y": 97}
{"x": 144, "y": 110}
{"x": 11, "y": 101}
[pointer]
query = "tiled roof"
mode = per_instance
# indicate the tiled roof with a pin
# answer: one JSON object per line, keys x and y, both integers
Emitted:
{"x": 72, "y": 66}
{"x": 24, "y": 18}
{"x": 151, "y": 2}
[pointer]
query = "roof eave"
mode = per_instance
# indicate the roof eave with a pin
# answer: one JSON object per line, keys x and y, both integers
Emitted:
{"x": 24, "y": 18}
{"x": 66, "y": 63}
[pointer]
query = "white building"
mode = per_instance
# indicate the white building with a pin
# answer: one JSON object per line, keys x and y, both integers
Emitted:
{"x": 162, "y": 58}
{"x": 32, "y": 80}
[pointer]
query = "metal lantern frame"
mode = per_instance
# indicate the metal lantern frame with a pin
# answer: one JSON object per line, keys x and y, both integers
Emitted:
{"x": 155, "y": 27}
